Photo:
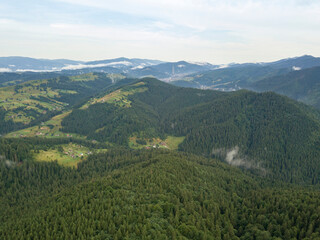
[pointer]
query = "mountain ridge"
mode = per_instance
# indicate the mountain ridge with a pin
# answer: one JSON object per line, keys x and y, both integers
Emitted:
{"x": 302, "y": 85}
{"x": 247, "y": 166}
{"x": 261, "y": 131}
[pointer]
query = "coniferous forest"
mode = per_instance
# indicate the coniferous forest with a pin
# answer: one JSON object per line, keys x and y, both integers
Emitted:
{"x": 247, "y": 165}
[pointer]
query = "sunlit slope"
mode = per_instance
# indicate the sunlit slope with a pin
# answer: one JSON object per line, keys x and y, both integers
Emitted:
{"x": 33, "y": 102}
{"x": 265, "y": 133}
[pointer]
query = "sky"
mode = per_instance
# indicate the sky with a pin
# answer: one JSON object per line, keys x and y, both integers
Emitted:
{"x": 215, "y": 31}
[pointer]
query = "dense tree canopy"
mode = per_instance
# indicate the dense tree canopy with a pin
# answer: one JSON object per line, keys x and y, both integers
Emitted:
{"x": 271, "y": 131}
{"x": 151, "y": 195}
{"x": 163, "y": 194}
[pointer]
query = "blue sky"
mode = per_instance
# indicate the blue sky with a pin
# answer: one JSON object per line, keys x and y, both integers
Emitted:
{"x": 195, "y": 30}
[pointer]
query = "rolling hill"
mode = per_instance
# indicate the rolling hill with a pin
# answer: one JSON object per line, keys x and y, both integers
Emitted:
{"x": 303, "y": 85}
{"x": 171, "y": 70}
{"x": 32, "y": 102}
{"x": 12, "y": 78}
{"x": 229, "y": 79}
{"x": 26, "y": 64}
{"x": 263, "y": 132}
{"x": 186, "y": 74}
{"x": 126, "y": 63}
{"x": 302, "y": 62}
{"x": 238, "y": 76}
{"x": 33, "y": 64}
{"x": 247, "y": 165}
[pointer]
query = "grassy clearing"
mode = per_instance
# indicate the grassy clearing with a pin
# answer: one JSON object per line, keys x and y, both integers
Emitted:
{"x": 119, "y": 97}
{"x": 25, "y": 96}
{"x": 37, "y": 96}
{"x": 49, "y": 129}
{"x": 84, "y": 77}
{"x": 67, "y": 91}
{"x": 67, "y": 154}
{"x": 170, "y": 142}
{"x": 173, "y": 142}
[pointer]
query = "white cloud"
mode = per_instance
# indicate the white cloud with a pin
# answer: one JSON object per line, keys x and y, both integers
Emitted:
{"x": 268, "y": 23}
{"x": 216, "y": 14}
{"x": 139, "y": 66}
{"x": 162, "y": 25}
{"x": 104, "y": 32}
{"x": 33, "y": 70}
{"x": 198, "y": 30}
{"x": 5, "y": 70}
{"x": 294, "y": 68}
{"x": 81, "y": 66}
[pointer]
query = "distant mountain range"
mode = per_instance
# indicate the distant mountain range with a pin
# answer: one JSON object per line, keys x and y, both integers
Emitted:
{"x": 237, "y": 76}
{"x": 24, "y": 64}
{"x": 169, "y": 71}
{"x": 143, "y": 67}
{"x": 134, "y": 67}
{"x": 294, "y": 77}
{"x": 297, "y": 78}
{"x": 105, "y": 156}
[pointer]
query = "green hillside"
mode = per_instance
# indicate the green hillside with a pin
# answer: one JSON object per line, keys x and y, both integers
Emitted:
{"x": 33, "y": 102}
{"x": 303, "y": 85}
{"x": 153, "y": 194}
{"x": 13, "y": 78}
{"x": 265, "y": 133}
{"x": 230, "y": 78}
{"x": 247, "y": 167}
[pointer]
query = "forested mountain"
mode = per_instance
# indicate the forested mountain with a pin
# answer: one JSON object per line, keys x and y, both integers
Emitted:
{"x": 187, "y": 74}
{"x": 35, "y": 101}
{"x": 126, "y": 63}
{"x": 237, "y": 76}
{"x": 12, "y": 78}
{"x": 263, "y": 132}
{"x": 150, "y": 194}
{"x": 26, "y": 63}
{"x": 231, "y": 78}
{"x": 23, "y": 64}
{"x": 243, "y": 170}
{"x": 302, "y": 62}
{"x": 171, "y": 70}
{"x": 303, "y": 85}
{"x": 134, "y": 67}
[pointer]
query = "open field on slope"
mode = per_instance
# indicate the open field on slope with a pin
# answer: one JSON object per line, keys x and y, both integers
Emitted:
{"x": 119, "y": 97}
{"x": 66, "y": 154}
{"x": 24, "y": 101}
{"x": 170, "y": 142}
{"x": 49, "y": 129}
{"x": 29, "y": 100}
{"x": 84, "y": 77}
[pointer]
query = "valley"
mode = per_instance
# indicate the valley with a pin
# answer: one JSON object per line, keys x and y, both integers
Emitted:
{"x": 194, "y": 163}
{"x": 160, "y": 120}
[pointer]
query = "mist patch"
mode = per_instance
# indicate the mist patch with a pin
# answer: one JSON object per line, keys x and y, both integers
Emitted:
{"x": 234, "y": 157}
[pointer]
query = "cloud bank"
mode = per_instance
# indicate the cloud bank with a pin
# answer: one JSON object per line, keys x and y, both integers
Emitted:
{"x": 196, "y": 30}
